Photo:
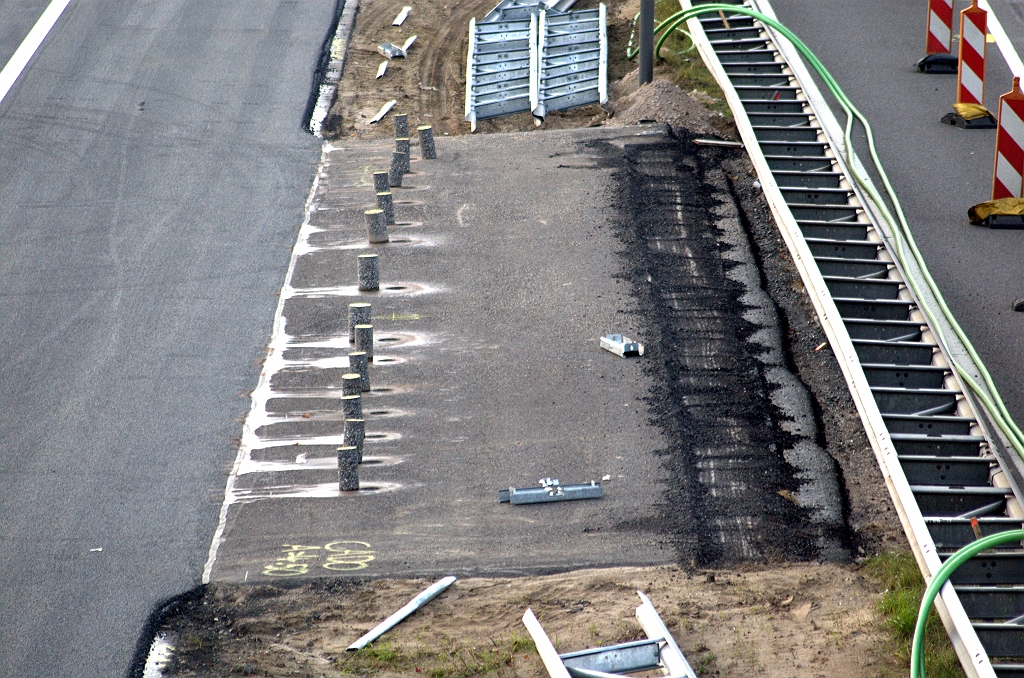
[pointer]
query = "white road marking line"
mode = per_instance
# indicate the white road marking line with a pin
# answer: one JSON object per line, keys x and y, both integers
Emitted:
{"x": 1003, "y": 42}
{"x": 29, "y": 45}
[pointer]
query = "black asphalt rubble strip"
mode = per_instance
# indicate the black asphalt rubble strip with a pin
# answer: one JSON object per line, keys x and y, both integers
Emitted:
{"x": 514, "y": 254}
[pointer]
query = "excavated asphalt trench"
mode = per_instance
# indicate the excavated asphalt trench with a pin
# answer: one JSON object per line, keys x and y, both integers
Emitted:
{"x": 751, "y": 479}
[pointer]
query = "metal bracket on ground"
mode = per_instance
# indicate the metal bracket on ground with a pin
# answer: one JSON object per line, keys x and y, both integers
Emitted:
{"x": 550, "y": 490}
{"x": 621, "y": 346}
{"x": 659, "y": 651}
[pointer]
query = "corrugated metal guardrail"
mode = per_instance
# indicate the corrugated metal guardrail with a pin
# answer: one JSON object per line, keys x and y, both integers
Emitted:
{"x": 526, "y": 57}
{"x": 943, "y": 464}
{"x": 572, "y": 61}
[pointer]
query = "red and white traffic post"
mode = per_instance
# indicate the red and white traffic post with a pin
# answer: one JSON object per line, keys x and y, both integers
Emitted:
{"x": 1008, "y": 174}
{"x": 939, "y": 38}
{"x": 969, "y": 111}
{"x": 970, "y": 78}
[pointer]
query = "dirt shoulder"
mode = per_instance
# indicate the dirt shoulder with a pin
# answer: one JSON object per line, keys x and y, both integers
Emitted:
{"x": 800, "y": 621}
{"x": 430, "y": 84}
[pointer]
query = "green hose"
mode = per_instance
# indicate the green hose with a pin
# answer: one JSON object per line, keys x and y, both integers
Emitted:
{"x": 944, "y": 573}
{"x": 990, "y": 398}
{"x": 630, "y": 52}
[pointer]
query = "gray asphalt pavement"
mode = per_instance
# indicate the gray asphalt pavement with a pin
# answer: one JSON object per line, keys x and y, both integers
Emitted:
{"x": 938, "y": 171}
{"x": 153, "y": 170}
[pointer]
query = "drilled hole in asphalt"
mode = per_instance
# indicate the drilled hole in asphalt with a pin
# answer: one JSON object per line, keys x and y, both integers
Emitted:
{"x": 367, "y": 489}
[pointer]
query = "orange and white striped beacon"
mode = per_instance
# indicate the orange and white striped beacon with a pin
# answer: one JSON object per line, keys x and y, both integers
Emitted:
{"x": 940, "y": 26}
{"x": 938, "y": 58}
{"x": 970, "y": 77}
{"x": 1008, "y": 174}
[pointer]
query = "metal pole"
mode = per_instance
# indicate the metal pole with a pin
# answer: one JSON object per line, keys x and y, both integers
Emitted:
{"x": 416, "y": 603}
{"x": 646, "y": 41}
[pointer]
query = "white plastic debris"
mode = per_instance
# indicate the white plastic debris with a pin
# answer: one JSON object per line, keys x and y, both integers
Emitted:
{"x": 402, "y": 16}
{"x": 621, "y": 346}
{"x": 380, "y": 69}
{"x": 408, "y": 43}
{"x": 383, "y": 111}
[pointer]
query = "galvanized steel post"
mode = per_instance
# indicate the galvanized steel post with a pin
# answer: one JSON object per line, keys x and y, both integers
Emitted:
{"x": 646, "y": 41}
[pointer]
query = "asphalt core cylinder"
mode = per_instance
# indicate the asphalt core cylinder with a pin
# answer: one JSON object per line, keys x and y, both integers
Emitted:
{"x": 348, "y": 468}
{"x": 427, "y": 149}
{"x": 355, "y": 434}
{"x": 364, "y": 340}
{"x": 358, "y": 363}
{"x": 358, "y": 314}
{"x": 369, "y": 277}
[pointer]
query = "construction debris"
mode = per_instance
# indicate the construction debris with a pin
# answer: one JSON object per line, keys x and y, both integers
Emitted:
{"x": 621, "y": 346}
{"x": 384, "y": 110}
{"x": 659, "y": 651}
{"x": 531, "y": 57}
{"x": 416, "y": 603}
{"x": 402, "y": 16}
{"x": 381, "y": 69}
{"x": 550, "y": 490}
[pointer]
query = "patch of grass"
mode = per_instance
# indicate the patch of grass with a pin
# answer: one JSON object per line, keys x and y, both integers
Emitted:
{"x": 689, "y": 69}
{"x": 451, "y": 659}
{"x": 904, "y": 588}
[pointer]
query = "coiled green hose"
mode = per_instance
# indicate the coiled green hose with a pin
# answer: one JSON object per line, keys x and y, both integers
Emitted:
{"x": 935, "y": 585}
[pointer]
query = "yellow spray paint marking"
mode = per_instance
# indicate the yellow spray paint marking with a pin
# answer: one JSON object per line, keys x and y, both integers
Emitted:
{"x": 296, "y": 559}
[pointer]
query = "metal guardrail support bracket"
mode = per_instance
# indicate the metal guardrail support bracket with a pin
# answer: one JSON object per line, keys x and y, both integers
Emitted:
{"x": 659, "y": 651}
{"x": 550, "y": 490}
{"x": 621, "y": 346}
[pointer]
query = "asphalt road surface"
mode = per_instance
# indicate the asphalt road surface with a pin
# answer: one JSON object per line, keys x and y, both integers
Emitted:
{"x": 153, "y": 169}
{"x": 938, "y": 171}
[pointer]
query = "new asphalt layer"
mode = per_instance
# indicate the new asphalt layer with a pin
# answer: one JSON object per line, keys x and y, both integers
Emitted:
{"x": 513, "y": 254}
{"x": 487, "y": 374}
